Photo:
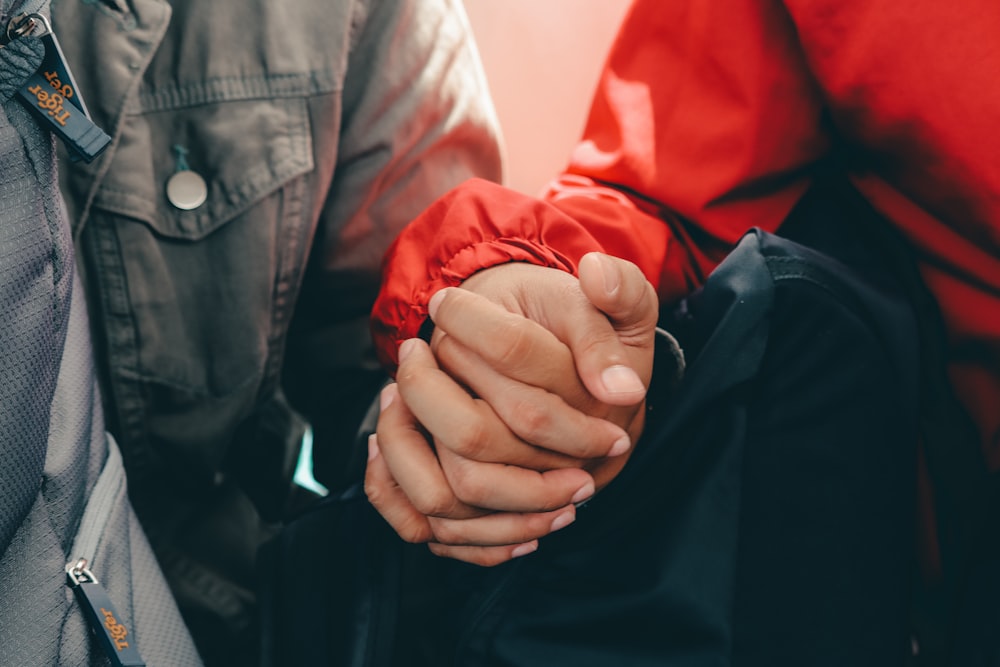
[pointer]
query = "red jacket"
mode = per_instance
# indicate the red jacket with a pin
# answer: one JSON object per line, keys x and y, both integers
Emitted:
{"x": 710, "y": 117}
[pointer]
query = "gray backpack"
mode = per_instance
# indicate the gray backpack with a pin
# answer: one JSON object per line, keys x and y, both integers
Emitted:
{"x": 79, "y": 584}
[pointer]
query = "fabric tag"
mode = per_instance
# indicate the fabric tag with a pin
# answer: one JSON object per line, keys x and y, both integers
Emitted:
{"x": 114, "y": 637}
{"x": 53, "y": 97}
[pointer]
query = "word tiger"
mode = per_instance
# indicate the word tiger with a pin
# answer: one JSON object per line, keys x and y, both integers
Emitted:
{"x": 117, "y": 631}
{"x": 52, "y": 103}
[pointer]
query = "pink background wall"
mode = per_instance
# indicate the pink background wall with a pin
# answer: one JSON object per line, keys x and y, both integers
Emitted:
{"x": 542, "y": 59}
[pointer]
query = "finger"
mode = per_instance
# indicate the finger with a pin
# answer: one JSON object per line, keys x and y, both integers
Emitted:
{"x": 390, "y": 501}
{"x": 466, "y": 432}
{"x": 501, "y": 528}
{"x": 512, "y": 343}
{"x": 535, "y": 415}
{"x": 621, "y": 292}
{"x": 526, "y": 351}
{"x": 506, "y": 488}
{"x": 484, "y": 556}
{"x": 517, "y": 346}
{"x": 469, "y": 426}
{"x": 412, "y": 463}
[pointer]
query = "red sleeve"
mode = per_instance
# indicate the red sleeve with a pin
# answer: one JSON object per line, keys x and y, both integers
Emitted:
{"x": 705, "y": 109}
{"x": 481, "y": 224}
{"x": 709, "y": 118}
{"x": 703, "y": 125}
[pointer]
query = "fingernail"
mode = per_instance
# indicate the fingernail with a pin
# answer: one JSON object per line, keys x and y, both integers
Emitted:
{"x": 586, "y": 491}
{"x": 621, "y": 380}
{"x": 563, "y": 520}
{"x": 373, "y": 450}
{"x": 435, "y": 302}
{"x": 387, "y": 396}
{"x": 405, "y": 348}
{"x": 621, "y": 446}
{"x": 609, "y": 273}
{"x": 524, "y": 549}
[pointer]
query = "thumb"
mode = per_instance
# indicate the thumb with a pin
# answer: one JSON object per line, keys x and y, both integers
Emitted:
{"x": 618, "y": 289}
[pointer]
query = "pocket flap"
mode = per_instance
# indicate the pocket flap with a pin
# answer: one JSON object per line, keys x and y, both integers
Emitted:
{"x": 244, "y": 150}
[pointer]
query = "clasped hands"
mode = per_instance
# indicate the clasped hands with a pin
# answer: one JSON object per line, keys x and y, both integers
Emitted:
{"x": 528, "y": 400}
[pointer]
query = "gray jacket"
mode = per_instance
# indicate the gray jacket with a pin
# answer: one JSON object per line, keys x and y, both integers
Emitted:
{"x": 62, "y": 485}
{"x": 319, "y": 128}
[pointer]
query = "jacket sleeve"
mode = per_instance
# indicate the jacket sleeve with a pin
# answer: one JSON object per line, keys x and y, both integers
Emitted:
{"x": 711, "y": 117}
{"x": 417, "y": 120}
{"x": 704, "y": 123}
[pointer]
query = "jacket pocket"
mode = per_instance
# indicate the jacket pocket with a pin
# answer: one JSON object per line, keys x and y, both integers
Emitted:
{"x": 245, "y": 150}
{"x": 198, "y": 289}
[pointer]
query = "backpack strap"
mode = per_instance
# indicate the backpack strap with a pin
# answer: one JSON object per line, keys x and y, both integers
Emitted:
{"x": 964, "y": 491}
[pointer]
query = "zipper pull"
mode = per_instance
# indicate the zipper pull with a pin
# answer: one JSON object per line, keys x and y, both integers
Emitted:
{"x": 103, "y": 618}
{"x": 52, "y": 95}
{"x": 17, "y": 27}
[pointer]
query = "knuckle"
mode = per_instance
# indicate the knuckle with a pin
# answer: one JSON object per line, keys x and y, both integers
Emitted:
{"x": 642, "y": 314}
{"x": 533, "y": 415}
{"x": 444, "y": 532}
{"x": 471, "y": 439}
{"x": 492, "y": 560}
{"x": 414, "y": 531}
{"x": 467, "y": 485}
{"x": 374, "y": 492}
{"x": 550, "y": 504}
{"x": 435, "y": 502}
{"x": 596, "y": 339}
{"x": 515, "y": 342}
{"x": 407, "y": 374}
{"x": 410, "y": 527}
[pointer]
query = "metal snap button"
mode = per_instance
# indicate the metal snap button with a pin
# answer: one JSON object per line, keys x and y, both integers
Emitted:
{"x": 186, "y": 190}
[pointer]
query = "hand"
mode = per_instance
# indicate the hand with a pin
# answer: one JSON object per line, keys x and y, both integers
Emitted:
{"x": 438, "y": 497}
{"x": 605, "y": 320}
{"x": 526, "y": 375}
{"x": 406, "y": 482}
